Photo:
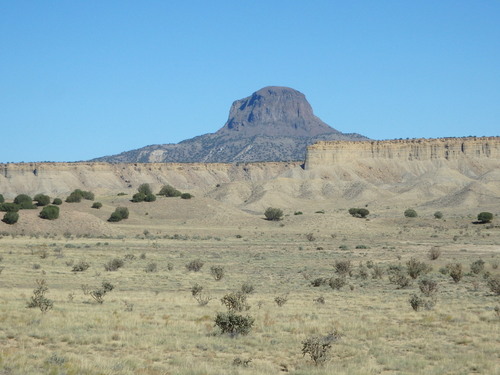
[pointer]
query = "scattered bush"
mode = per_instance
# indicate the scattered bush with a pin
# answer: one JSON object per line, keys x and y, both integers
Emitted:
{"x": 186, "y": 196}
{"x": 22, "y": 198}
{"x": 9, "y": 207}
{"x": 195, "y": 265}
{"x": 38, "y": 299}
{"x": 494, "y": 284}
{"x": 377, "y": 272}
{"x": 199, "y": 296}
{"x": 99, "y": 293}
{"x": 318, "y": 347}
{"x": 359, "y": 212}
{"x": 343, "y": 267}
{"x": 81, "y": 266}
{"x": 455, "y": 271}
{"x": 410, "y": 212}
{"x": 41, "y": 199}
{"x": 241, "y": 362}
{"x": 145, "y": 189}
{"x": 57, "y": 201}
{"x": 119, "y": 214}
{"x": 138, "y": 197}
{"x": 77, "y": 195}
{"x": 10, "y": 217}
{"x": 416, "y": 268}
{"x": 150, "y": 198}
{"x": 477, "y": 266}
{"x": 434, "y": 252}
{"x": 485, "y": 217}
{"x": 217, "y": 272}
{"x": 169, "y": 191}
{"x": 234, "y": 324}
{"x": 97, "y": 205}
{"x": 398, "y": 276}
{"x": 235, "y": 301}
{"x": 298, "y": 213}
{"x": 428, "y": 287}
{"x": 273, "y": 214}
{"x": 281, "y": 300}
{"x": 50, "y": 212}
{"x": 438, "y": 215}
{"x": 416, "y": 302}
{"x": 114, "y": 264}
{"x": 151, "y": 267}
{"x": 337, "y": 282}
{"x": 247, "y": 288}
{"x": 2, "y": 199}
{"x": 318, "y": 282}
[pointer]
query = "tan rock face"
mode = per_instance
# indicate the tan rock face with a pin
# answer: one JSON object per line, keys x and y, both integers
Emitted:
{"x": 451, "y": 149}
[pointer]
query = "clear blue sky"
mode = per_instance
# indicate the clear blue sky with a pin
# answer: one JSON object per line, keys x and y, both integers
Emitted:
{"x": 83, "y": 79}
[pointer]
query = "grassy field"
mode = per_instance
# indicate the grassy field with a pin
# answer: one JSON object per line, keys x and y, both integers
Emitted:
{"x": 151, "y": 324}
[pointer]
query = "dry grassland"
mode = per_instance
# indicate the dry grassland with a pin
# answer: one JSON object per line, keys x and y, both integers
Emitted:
{"x": 151, "y": 324}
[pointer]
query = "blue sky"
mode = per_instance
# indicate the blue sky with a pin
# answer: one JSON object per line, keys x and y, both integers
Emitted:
{"x": 83, "y": 79}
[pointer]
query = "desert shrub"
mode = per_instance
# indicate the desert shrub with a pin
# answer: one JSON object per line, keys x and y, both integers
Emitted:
{"x": 319, "y": 281}
{"x": 235, "y": 301}
{"x": 343, "y": 267}
{"x": 9, "y": 207}
{"x": 242, "y": 362}
{"x": 428, "y": 287}
{"x": 145, "y": 189}
{"x": 310, "y": 237}
{"x": 399, "y": 277}
{"x": 151, "y": 267}
{"x": 485, "y": 217}
{"x": 494, "y": 284}
{"x": 81, "y": 266}
{"x": 138, "y": 197}
{"x": 41, "y": 199}
{"x": 217, "y": 272}
{"x": 198, "y": 294}
{"x": 410, "y": 212}
{"x": 298, "y": 213}
{"x": 363, "y": 272}
{"x": 196, "y": 289}
{"x": 359, "y": 212}
{"x": 416, "y": 302}
{"x": 99, "y": 293}
{"x": 273, "y": 214}
{"x": 77, "y": 195}
{"x": 438, "y": 215}
{"x": 10, "y": 217}
{"x": 320, "y": 300}
{"x": 150, "y": 198}
{"x": 38, "y": 299}
{"x": 169, "y": 191}
{"x": 318, "y": 347}
{"x": 337, "y": 282}
{"x": 195, "y": 265}
{"x": 434, "y": 252}
{"x": 455, "y": 271}
{"x": 119, "y": 214}
{"x": 97, "y": 205}
{"x": 377, "y": 272}
{"x": 281, "y": 300}
{"x": 2, "y": 199}
{"x": 114, "y": 264}
{"x": 50, "y": 212}
{"x": 234, "y": 324}
{"x": 57, "y": 201}
{"x": 477, "y": 266}
{"x": 416, "y": 268}
{"x": 247, "y": 288}
{"x": 21, "y": 198}
{"x": 186, "y": 196}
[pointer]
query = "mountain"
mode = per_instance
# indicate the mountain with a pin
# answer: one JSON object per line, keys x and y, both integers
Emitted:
{"x": 272, "y": 124}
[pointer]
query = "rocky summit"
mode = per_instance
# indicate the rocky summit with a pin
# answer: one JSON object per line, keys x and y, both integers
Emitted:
{"x": 272, "y": 124}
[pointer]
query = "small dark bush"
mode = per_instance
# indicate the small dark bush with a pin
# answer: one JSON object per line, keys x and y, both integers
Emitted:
{"x": 186, "y": 196}
{"x": 298, "y": 213}
{"x": 150, "y": 198}
{"x": 38, "y": 299}
{"x": 119, "y": 214}
{"x": 343, "y": 267}
{"x": 138, "y": 197}
{"x": 57, "y": 201}
{"x": 10, "y": 217}
{"x": 99, "y": 293}
{"x": 477, "y": 266}
{"x": 77, "y": 195}
{"x": 410, "y": 212}
{"x": 485, "y": 217}
{"x": 247, "y": 288}
{"x": 50, "y": 212}
{"x": 416, "y": 302}
{"x": 169, "y": 191}
{"x": 41, "y": 199}
{"x": 217, "y": 272}
{"x": 359, "y": 212}
{"x": 195, "y": 265}
{"x": 428, "y": 287}
{"x": 145, "y": 189}
{"x": 398, "y": 276}
{"x": 81, "y": 266}
{"x": 9, "y": 207}
{"x": 273, "y": 214}
{"x": 281, "y": 300}
{"x": 235, "y": 301}
{"x": 151, "y": 267}
{"x": 455, "y": 271}
{"x": 337, "y": 282}
{"x": 434, "y": 252}
{"x": 22, "y": 198}
{"x": 318, "y": 347}
{"x": 2, "y": 199}
{"x": 318, "y": 282}
{"x": 97, "y": 205}
{"x": 494, "y": 284}
{"x": 417, "y": 268}
{"x": 114, "y": 264}
{"x": 438, "y": 215}
{"x": 234, "y": 324}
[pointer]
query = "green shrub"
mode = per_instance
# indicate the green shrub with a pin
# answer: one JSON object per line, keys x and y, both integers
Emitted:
{"x": 169, "y": 191}
{"x": 318, "y": 347}
{"x": 485, "y": 217}
{"x": 2, "y": 199}
{"x": 273, "y": 214}
{"x": 359, "y": 212}
{"x": 97, "y": 205}
{"x": 398, "y": 276}
{"x": 438, "y": 215}
{"x": 416, "y": 268}
{"x": 234, "y": 324}
{"x": 119, "y": 214}
{"x": 57, "y": 201}
{"x": 38, "y": 299}
{"x": 41, "y": 199}
{"x": 10, "y": 217}
{"x": 145, "y": 189}
{"x": 150, "y": 198}
{"x": 138, "y": 197}
{"x": 22, "y": 198}
{"x": 50, "y": 212}
{"x": 77, "y": 195}
{"x": 298, "y": 213}
{"x": 416, "y": 302}
{"x": 410, "y": 212}
{"x": 186, "y": 196}
{"x": 9, "y": 207}
{"x": 235, "y": 301}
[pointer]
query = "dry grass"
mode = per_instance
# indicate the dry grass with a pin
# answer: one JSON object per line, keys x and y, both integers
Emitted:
{"x": 151, "y": 324}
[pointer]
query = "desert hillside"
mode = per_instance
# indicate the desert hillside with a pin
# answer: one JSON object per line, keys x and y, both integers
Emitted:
{"x": 438, "y": 173}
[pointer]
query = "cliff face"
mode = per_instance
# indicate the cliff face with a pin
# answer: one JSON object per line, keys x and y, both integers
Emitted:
{"x": 329, "y": 153}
